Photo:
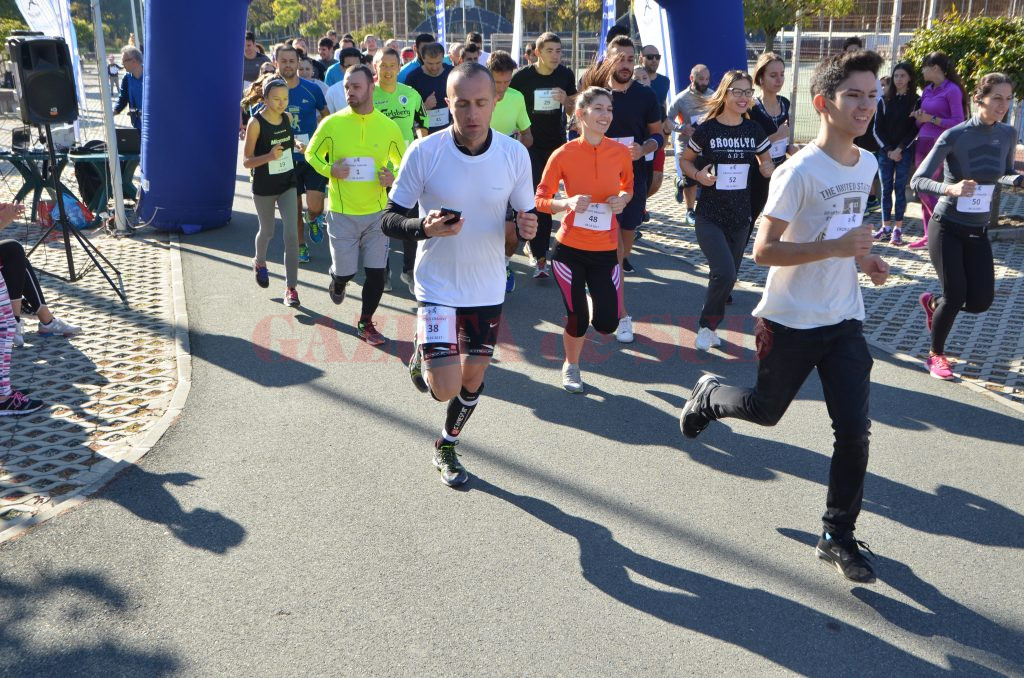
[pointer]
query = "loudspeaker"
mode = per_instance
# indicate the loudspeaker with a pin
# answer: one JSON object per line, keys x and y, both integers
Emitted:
{"x": 44, "y": 79}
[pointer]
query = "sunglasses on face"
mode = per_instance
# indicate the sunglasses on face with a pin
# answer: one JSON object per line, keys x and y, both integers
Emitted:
{"x": 652, "y": 56}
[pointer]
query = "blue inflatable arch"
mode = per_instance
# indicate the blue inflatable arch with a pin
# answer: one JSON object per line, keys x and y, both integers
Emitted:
{"x": 189, "y": 139}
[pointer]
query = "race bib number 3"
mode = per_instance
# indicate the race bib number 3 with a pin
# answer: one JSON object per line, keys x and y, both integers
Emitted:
{"x": 360, "y": 169}
{"x": 281, "y": 165}
{"x": 544, "y": 100}
{"x": 436, "y": 325}
{"x": 980, "y": 202}
{"x": 597, "y": 217}
{"x": 841, "y": 224}
{"x": 731, "y": 177}
{"x": 438, "y": 117}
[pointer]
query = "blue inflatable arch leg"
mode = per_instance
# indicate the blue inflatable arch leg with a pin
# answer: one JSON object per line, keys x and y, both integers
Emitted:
{"x": 709, "y": 33}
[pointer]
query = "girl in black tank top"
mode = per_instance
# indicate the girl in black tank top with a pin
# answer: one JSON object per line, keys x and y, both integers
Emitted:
{"x": 277, "y": 175}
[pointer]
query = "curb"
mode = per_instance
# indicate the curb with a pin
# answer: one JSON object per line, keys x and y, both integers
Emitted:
{"x": 128, "y": 452}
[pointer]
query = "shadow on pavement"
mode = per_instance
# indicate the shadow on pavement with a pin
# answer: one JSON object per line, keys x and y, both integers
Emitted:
{"x": 79, "y": 592}
{"x": 782, "y": 631}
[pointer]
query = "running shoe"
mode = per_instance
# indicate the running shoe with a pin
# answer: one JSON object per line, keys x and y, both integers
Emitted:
{"x": 691, "y": 421}
{"x": 407, "y": 278}
{"x": 529, "y": 254}
{"x": 541, "y": 272}
{"x": 843, "y": 551}
{"x": 316, "y": 228}
{"x": 366, "y": 331}
{"x": 874, "y": 204}
{"x": 691, "y": 217}
{"x": 897, "y": 237}
{"x": 291, "y": 296}
{"x": 679, "y": 192}
{"x": 510, "y": 280}
{"x": 626, "y": 266}
{"x": 707, "y": 338}
{"x": 416, "y": 367}
{"x": 929, "y": 309}
{"x": 262, "y": 274}
{"x": 624, "y": 332}
{"x": 572, "y": 381}
{"x": 18, "y": 404}
{"x": 638, "y": 235}
{"x": 728, "y": 300}
{"x": 336, "y": 290}
{"x": 303, "y": 253}
{"x": 446, "y": 461}
{"x": 882, "y": 233}
{"x": 939, "y": 367}
{"x": 645, "y": 217}
{"x": 58, "y": 326}
{"x": 388, "y": 287}
{"x": 919, "y": 243}
{"x": 19, "y": 334}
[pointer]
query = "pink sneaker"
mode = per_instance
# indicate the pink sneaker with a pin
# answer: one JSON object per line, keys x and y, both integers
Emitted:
{"x": 938, "y": 367}
{"x": 929, "y": 310}
{"x": 919, "y": 243}
{"x": 291, "y": 296}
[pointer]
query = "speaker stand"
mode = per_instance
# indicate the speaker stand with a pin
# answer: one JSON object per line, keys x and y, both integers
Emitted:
{"x": 68, "y": 230}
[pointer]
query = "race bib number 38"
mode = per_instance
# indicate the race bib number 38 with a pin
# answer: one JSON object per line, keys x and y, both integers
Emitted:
{"x": 436, "y": 325}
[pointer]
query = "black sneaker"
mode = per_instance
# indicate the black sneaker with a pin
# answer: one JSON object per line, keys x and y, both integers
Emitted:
{"x": 627, "y": 267}
{"x": 873, "y": 205}
{"x": 416, "y": 367}
{"x": 843, "y": 551}
{"x": 691, "y": 421}
{"x": 18, "y": 404}
{"x": 638, "y": 235}
{"x": 446, "y": 461}
{"x": 645, "y": 217}
{"x": 679, "y": 192}
{"x": 336, "y": 290}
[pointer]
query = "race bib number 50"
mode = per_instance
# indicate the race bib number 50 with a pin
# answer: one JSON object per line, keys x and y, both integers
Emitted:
{"x": 436, "y": 325}
{"x": 980, "y": 202}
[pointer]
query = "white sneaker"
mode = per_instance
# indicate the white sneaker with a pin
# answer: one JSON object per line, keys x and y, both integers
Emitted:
{"x": 706, "y": 338}
{"x": 529, "y": 253}
{"x": 542, "y": 272}
{"x": 58, "y": 326}
{"x": 624, "y": 333}
{"x": 572, "y": 381}
{"x": 19, "y": 334}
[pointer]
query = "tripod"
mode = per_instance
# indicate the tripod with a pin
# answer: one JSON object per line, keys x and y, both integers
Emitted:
{"x": 69, "y": 230}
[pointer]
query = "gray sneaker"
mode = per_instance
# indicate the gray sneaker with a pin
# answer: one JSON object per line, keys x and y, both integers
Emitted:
{"x": 691, "y": 421}
{"x": 571, "y": 379}
{"x": 446, "y": 461}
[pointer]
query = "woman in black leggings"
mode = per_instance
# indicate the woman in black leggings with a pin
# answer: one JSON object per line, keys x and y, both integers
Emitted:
{"x": 27, "y": 296}
{"x": 958, "y": 239}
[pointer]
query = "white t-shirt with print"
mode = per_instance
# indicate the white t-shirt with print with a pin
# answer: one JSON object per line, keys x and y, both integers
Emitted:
{"x": 467, "y": 269}
{"x": 809, "y": 191}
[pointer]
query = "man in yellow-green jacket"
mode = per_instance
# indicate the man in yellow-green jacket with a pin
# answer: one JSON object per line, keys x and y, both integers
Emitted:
{"x": 352, "y": 149}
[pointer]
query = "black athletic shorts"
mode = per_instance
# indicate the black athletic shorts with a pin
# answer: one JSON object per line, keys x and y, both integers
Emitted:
{"x": 476, "y": 329}
{"x": 308, "y": 179}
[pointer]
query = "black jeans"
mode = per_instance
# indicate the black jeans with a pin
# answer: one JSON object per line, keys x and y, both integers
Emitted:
{"x": 19, "y": 276}
{"x": 786, "y": 357}
{"x": 723, "y": 248}
{"x": 962, "y": 257}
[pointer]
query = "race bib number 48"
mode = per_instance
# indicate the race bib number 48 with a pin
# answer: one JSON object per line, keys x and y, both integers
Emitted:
{"x": 436, "y": 325}
{"x": 597, "y": 217}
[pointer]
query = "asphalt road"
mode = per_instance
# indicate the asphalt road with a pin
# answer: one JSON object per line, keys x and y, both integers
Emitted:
{"x": 291, "y": 522}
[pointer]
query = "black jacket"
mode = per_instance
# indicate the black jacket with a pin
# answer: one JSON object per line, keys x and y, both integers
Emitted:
{"x": 893, "y": 126}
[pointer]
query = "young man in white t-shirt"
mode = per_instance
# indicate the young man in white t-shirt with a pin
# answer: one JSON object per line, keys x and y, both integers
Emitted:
{"x": 810, "y": 316}
{"x": 463, "y": 178}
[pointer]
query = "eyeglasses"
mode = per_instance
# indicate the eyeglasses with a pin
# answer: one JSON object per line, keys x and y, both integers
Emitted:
{"x": 652, "y": 56}
{"x": 737, "y": 92}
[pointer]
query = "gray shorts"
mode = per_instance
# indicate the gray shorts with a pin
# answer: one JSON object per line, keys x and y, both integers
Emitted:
{"x": 352, "y": 235}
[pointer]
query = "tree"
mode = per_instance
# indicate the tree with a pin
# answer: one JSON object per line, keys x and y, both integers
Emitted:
{"x": 561, "y": 14}
{"x": 974, "y": 46}
{"x": 771, "y": 16}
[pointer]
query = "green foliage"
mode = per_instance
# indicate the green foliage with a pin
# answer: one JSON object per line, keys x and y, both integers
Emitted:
{"x": 974, "y": 46}
{"x": 771, "y": 16}
{"x": 7, "y": 25}
{"x": 86, "y": 35}
{"x": 382, "y": 29}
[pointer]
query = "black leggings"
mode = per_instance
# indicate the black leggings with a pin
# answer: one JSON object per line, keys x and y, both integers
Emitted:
{"x": 579, "y": 270}
{"x": 19, "y": 277}
{"x": 962, "y": 257}
{"x": 540, "y": 243}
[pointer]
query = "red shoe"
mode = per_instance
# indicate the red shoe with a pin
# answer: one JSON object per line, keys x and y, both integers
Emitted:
{"x": 929, "y": 310}
{"x": 939, "y": 367}
{"x": 919, "y": 243}
{"x": 368, "y": 333}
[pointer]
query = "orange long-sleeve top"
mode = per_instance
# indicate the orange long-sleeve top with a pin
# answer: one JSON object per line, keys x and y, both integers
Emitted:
{"x": 598, "y": 171}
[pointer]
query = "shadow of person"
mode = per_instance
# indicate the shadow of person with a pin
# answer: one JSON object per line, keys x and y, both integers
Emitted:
{"x": 782, "y": 631}
{"x": 83, "y": 594}
{"x": 145, "y": 494}
{"x": 942, "y": 616}
{"x": 259, "y": 359}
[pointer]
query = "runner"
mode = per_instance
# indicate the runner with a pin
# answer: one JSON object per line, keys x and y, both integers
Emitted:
{"x": 895, "y": 131}
{"x": 306, "y": 107}
{"x": 419, "y": 43}
{"x": 548, "y": 88}
{"x": 811, "y": 312}
{"x": 598, "y": 176}
{"x": 463, "y": 178}
{"x": 728, "y": 147}
{"x": 252, "y": 60}
{"x": 12, "y": 403}
{"x": 510, "y": 118}
{"x": 325, "y": 55}
{"x": 685, "y": 111}
{"x": 430, "y": 80}
{"x": 771, "y": 112}
{"x": 335, "y": 96}
{"x": 660, "y": 84}
{"x": 943, "y": 105}
{"x": 268, "y": 155}
{"x": 307, "y": 71}
{"x": 973, "y": 157}
{"x": 470, "y": 53}
{"x": 402, "y": 104}
{"x": 353, "y": 148}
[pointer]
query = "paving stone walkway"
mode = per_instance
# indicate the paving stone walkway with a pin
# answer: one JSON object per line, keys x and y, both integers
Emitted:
{"x": 110, "y": 392}
{"x": 987, "y": 349}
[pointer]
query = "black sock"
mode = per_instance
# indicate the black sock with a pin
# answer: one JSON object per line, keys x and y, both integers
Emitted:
{"x": 460, "y": 408}
{"x": 373, "y": 290}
